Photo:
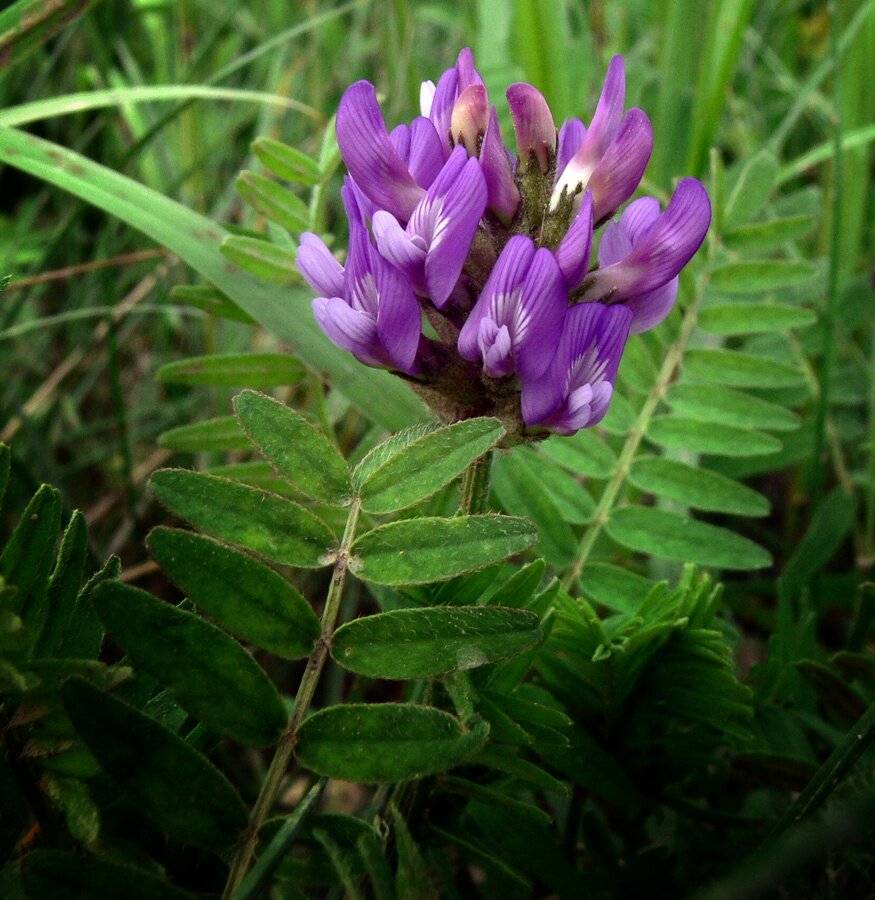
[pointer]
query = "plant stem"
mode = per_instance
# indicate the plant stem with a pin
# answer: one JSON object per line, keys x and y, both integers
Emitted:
{"x": 306, "y": 689}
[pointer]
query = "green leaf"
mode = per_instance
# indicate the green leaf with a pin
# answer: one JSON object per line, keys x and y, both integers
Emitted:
{"x": 245, "y": 596}
{"x": 286, "y": 162}
{"x": 50, "y": 874}
{"x": 274, "y": 201}
{"x": 418, "y": 551}
{"x": 210, "y": 300}
{"x": 270, "y": 525}
{"x": 678, "y": 433}
{"x": 752, "y": 189}
{"x": 63, "y": 588}
{"x": 667, "y": 535}
{"x": 517, "y": 486}
{"x": 573, "y": 501}
{"x": 832, "y": 521}
{"x": 386, "y": 450}
{"x": 753, "y": 318}
{"x": 272, "y": 855}
{"x": 520, "y": 587}
{"x": 756, "y": 276}
{"x": 585, "y": 453}
{"x": 385, "y": 742}
{"x": 732, "y": 368}
{"x": 421, "y": 643}
{"x": 258, "y": 370}
{"x": 614, "y": 587}
{"x": 696, "y": 486}
{"x": 716, "y": 403}
{"x": 170, "y": 782}
{"x": 195, "y": 239}
{"x": 216, "y": 435}
{"x": 425, "y": 465}
{"x": 210, "y": 675}
{"x": 29, "y": 554}
{"x": 265, "y": 260}
{"x": 769, "y": 235}
{"x": 301, "y": 454}
{"x": 411, "y": 879}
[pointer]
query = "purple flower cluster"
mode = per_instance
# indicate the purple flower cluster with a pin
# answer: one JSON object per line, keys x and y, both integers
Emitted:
{"x": 493, "y": 250}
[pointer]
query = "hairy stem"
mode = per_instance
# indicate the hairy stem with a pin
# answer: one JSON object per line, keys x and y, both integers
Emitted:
{"x": 306, "y": 689}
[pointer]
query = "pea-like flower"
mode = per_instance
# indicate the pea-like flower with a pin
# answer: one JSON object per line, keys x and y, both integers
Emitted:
{"x": 519, "y": 314}
{"x": 369, "y": 307}
{"x": 576, "y": 389}
{"x": 494, "y": 249}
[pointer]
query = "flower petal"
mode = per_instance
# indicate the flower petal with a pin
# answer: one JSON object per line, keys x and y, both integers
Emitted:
{"x": 495, "y": 348}
{"x": 588, "y": 355}
{"x": 572, "y": 254}
{"x": 508, "y": 274}
{"x": 399, "y": 319}
{"x": 609, "y": 111}
{"x": 533, "y": 124}
{"x": 318, "y": 266}
{"x": 662, "y": 249}
{"x": 542, "y": 306}
{"x": 372, "y": 161}
{"x": 503, "y": 197}
{"x": 621, "y": 167}
{"x": 426, "y": 155}
{"x": 601, "y": 132}
{"x": 639, "y": 215}
{"x": 470, "y": 118}
{"x": 649, "y": 309}
{"x": 396, "y": 245}
{"x": 570, "y": 138}
{"x": 460, "y": 212}
{"x": 349, "y": 328}
{"x": 426, "y": 97}
{"x": 466, "y": 68}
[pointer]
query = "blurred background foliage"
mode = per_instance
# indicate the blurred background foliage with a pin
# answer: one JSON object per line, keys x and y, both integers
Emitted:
{"x": 172, "y": 95}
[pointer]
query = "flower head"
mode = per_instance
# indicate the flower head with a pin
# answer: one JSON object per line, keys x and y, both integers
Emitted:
{"x": 495, "y": 249}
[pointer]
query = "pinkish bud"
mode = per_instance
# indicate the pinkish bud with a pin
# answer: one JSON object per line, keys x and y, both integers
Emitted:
{"x": 533, "y": 123}
{"x": 470, "y": 118}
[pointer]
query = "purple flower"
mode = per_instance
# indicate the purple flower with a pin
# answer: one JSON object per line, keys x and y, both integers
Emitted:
{"x": 370, "y": 156}
{"x": 609, "y": 157}
{"x": 434, "y": 246}
{"x": 515, "y": 323}
{"x": 576, "y": 389}
{"x": 441, "y": 195}
{"x": 437, "y": 101}
{"x": 369, "y": 307}
{"x": 641, "y": 255}
{"x": 533, "y": 124}
{"x": 472, "y": 122}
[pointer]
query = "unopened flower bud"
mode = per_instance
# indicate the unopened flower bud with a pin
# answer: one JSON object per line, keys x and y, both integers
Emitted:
{"x": 470, "y": 118}
{"x": 533, "y": 124}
